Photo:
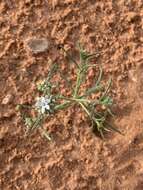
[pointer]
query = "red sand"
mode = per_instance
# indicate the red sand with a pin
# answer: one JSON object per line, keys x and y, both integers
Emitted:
{"x": 76, "y": 159}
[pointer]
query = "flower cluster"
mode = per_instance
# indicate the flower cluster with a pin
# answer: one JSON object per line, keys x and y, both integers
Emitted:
{"x": 43, "y": 104}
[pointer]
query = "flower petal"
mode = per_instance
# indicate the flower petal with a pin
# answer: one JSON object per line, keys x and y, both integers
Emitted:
{"x": 47, "y": 107}
{"x": 42, "y": 110}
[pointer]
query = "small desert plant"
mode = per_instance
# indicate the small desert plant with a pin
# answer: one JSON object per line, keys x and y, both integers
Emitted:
{"x": 48, "y": 103}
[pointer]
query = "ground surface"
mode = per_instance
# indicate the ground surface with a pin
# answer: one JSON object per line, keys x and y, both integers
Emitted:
{"x": 76, "y": 159}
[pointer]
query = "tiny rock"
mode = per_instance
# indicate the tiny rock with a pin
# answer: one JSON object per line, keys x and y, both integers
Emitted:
{"x": 7, "y": 99}
{"x": 133, "y": 75}
{"x": 37, "y": 45}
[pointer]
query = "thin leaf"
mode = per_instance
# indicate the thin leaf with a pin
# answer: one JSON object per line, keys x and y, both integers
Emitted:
{"x": 112, "y": 128}
{"x": 107, "y": 89}
{"x": 46, "y": 135}
{"x": 99, "y": 77}
{"x": 70, "y": 57}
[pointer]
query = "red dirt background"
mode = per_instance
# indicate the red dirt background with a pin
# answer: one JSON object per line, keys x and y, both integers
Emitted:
{"x": 76, "y": 159}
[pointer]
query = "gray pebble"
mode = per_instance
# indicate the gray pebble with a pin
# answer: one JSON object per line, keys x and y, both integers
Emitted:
{"x": 37, "y": 45}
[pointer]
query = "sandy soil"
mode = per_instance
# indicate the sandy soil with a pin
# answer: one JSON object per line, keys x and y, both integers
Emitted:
{"x": 76, "y": 159}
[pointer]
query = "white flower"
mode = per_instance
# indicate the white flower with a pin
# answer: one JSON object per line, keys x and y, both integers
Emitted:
{"x": 42, "y": 104}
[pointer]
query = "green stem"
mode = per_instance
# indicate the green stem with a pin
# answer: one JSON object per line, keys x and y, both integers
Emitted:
{"x": 62, "y": 106}
{"x": 77, "y": 84}
{"x": 80, "y": 100}
{"x": 83, "y": 106}
{"x": 38, "y": 121}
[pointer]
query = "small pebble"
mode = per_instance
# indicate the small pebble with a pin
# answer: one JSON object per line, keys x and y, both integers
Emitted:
{"x": 37, "y": 45}
{"x": 7, "y": 99}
